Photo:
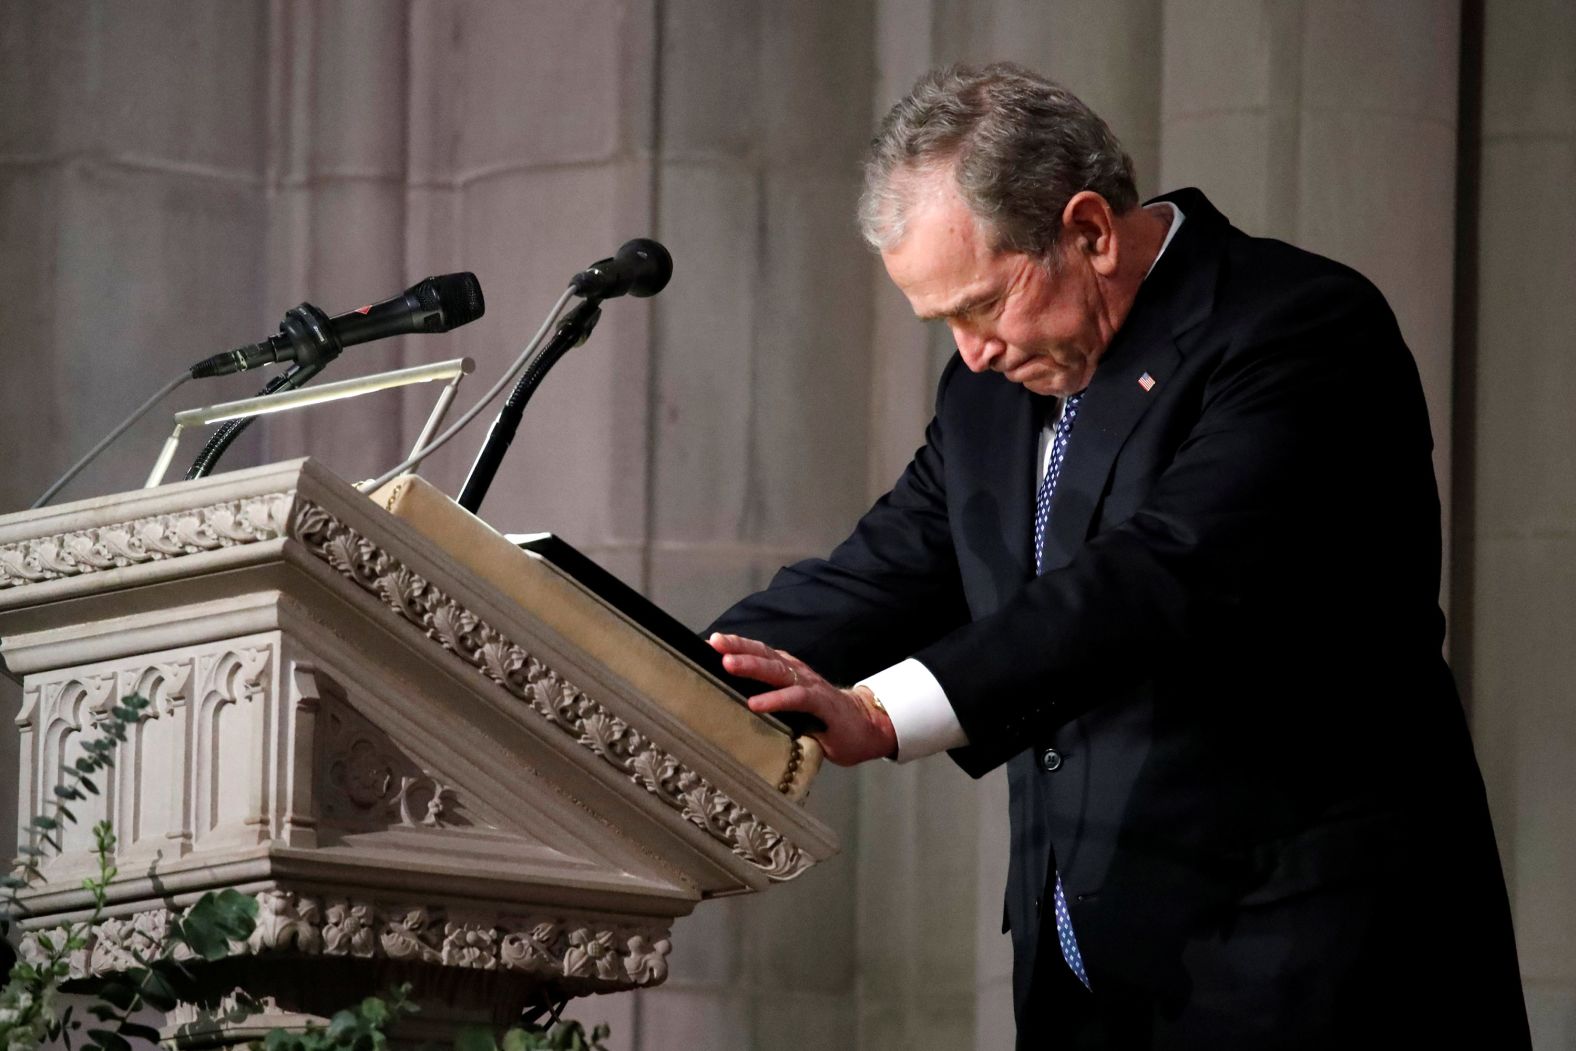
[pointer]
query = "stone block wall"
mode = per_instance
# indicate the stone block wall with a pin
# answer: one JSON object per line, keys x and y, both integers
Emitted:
{"x": 175, "y": 174}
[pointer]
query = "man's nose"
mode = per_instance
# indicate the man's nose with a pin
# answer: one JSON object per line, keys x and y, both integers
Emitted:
{"x": 977, "y": 348}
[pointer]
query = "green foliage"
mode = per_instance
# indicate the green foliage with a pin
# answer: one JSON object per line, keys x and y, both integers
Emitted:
{"x": 28, "y": 999}
{"x": 365, "y": 1028}
{"x": 215, "y": 921}
{"x": 565, "y": 1036}
{"x": 29, "y": 1014}
{"x": 362, "y": 1027}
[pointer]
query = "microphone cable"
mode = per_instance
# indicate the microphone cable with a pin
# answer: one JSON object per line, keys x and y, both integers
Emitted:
{"x": 520, "y": 362}
{"x": 76, "y": 469}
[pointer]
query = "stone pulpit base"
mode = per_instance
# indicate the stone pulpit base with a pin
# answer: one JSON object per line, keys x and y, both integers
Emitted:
{"x": 416, "y": 777}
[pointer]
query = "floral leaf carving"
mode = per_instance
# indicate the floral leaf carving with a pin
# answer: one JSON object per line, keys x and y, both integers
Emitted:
{"x": 555, "y": 699}
{"x": 452, "y": 625}
{"x": 293, "y": 924}
{"x": 402, "y": 589}
{"x": 150, "y": 539}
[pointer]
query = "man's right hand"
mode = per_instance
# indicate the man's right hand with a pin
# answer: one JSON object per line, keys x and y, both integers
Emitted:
{"x": 857, "y": 728}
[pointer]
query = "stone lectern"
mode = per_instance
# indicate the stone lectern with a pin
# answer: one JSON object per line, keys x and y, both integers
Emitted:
{"x": 418, "y": 777}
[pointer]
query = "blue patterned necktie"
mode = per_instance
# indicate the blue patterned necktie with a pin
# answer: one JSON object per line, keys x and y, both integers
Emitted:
{"x": 1042, "y": 515}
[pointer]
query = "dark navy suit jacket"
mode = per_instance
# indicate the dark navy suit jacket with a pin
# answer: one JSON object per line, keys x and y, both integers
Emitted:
{"x": 1264, "y": 803}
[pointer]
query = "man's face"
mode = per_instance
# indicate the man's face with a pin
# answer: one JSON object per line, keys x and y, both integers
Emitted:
{"x": 1007, "y": 312}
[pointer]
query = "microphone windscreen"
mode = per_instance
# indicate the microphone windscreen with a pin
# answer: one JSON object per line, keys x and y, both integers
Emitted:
{"x": 648, "y": 264}
{"x": 457, "y": 297}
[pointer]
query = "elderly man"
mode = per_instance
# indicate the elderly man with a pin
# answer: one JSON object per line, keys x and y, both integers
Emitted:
{"x": 1170, "y": 551}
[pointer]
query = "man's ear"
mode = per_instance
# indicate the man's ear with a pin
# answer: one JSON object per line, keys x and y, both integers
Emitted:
{"x": 1089, "y": 231}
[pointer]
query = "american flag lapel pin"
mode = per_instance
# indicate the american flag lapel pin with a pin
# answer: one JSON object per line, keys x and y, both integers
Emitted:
{"x": 1147, "y": 382}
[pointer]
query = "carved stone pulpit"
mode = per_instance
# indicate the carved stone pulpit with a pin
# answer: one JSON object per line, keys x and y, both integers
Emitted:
{"x": 418, "y": 777}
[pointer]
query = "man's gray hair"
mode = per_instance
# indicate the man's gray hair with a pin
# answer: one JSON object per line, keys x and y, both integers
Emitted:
{"x": 1019, "y": 146}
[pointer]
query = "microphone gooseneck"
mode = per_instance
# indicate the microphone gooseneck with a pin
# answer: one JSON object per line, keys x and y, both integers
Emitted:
{"x": 640, "y": 268}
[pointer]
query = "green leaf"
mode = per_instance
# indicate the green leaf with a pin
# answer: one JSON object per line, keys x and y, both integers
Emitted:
{"x": 109, "y": 1040}
{"x": 375, "y": 1011}
{"x": 518, "y": 1039}
{"x": 13, "y": 882}
{"x": 234, "y": 901}
{"x": 474, "y": 1038}
{"x": 215, "y": 920}
{"x": 47, "y": 942}
{"x": 342, "y": 1026}
{"x": 118, "y": 993}
{"x": 67, "y": 792}
{"x": 203, "y": 939}
{"x": 136, "y": 702}
{"x": 158, "y": 992}
{"x": 138, "y": 1031}
{"x": 279, "y": 1040}
{"x": 61, "y": 808}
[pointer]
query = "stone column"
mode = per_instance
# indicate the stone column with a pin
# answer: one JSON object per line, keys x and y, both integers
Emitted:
{"x": 756, "y": 428}
{"x": 526, "y": 151}
{"x": 134, "y": 223}
{"x": 1331, "y": 125}
{"x": 1522, "y": 528}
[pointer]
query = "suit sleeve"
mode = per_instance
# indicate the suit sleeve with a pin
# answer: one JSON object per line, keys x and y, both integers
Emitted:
{"x": 888, "y": 589}
{"x": 1249, "y": 542}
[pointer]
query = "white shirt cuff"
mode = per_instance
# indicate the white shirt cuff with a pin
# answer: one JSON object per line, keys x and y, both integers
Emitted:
{"x": 921, "y": 715}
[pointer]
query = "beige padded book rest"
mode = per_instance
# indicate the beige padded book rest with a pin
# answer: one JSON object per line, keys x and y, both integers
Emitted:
{"x": 626, "y": 650}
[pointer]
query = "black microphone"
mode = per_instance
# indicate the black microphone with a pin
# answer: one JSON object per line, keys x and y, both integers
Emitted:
{"x": 641, "y": 268}
{"x": 308, "y": 336}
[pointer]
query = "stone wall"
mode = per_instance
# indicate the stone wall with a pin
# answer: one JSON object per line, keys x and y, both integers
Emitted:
{"x": 175, "y": 174}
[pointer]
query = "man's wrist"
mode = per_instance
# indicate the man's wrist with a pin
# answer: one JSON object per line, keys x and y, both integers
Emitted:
{"x": 868, "y": 695}
{"x": 876, "y": 712}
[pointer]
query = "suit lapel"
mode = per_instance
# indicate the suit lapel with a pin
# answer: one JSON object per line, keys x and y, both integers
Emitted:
{"x": 1134, "y": 372}
{"x": 996, "y": 516}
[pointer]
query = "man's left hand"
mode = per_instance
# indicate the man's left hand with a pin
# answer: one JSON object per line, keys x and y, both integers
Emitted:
{"x": 857, "y": 728}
